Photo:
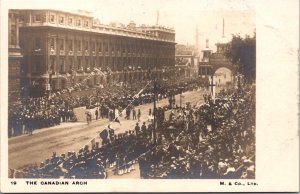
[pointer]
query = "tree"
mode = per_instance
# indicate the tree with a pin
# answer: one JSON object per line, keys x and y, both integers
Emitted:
{"x": 242, "y": 52}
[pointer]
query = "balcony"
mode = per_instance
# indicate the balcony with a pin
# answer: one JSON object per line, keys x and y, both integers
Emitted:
{"x": 106, "y": 53}
{"x": 93, "y": 53}
{"x": 61, "y": 52}
{"x": 100, "y": 53}
{"x": 112, "y": 53}
{"x": 86, "y": 53}
{"x": 71, "y": 53}
{"x": 79, "y": 53}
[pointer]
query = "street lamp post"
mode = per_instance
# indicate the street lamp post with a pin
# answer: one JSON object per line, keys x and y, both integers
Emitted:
{"x": 48, "y": 83}
{"x": 212, "y": 88}
{"x": 154, "y": 79}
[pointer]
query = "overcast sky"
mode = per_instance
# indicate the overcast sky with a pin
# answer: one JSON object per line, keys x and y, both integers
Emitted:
{"x": 183, "y": 15}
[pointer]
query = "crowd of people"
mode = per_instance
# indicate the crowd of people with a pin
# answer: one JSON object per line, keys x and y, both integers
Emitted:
{"x": 117, "y": 152}
{"x": 215, "y": 140}
{"x": 35, "y": 113}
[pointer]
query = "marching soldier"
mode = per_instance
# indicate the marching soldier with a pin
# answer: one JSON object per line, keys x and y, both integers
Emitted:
{"x": 137, "y": 129}
{"x": 139, "y": 115}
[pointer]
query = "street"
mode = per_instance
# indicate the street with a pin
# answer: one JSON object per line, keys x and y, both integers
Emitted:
{"x": 26, "y": 150}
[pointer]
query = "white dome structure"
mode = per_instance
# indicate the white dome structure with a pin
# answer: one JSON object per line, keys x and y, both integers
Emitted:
{"x": 223, "y": 40}
{"x": 223, "y": 43}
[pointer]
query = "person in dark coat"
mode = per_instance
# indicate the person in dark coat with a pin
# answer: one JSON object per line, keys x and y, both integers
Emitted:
{"x": 144, "y": 128}
{"x": 137, "y": 129}
{"x": 104, "y": 136}
{"x": 96, "y": 113}
{"x": 111, "y": 133}
{"x": 139, "y": 115}
{"x": 133, "y": 114}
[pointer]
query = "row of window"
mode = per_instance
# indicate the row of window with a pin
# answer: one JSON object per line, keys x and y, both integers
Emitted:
{"x": 84, "y": 64}
{"x": 102, "y": 47}
{"x": 105, "y": 48}
{"x": 107, "y": 62}
{"x": 62, "y": 20}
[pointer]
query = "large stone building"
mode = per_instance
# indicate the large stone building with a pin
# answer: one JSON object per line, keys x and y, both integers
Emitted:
{"x": 61, "y": 49}
{"x": 14, "y": 57}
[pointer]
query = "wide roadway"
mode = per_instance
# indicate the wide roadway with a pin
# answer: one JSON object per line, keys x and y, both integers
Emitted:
{"x": 26, "y": 150}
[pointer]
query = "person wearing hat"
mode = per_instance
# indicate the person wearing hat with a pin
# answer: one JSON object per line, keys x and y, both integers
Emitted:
{"x": 195, "y": 167}
{"x": 139, "y": 115}
{"x": 96, "y": 113}
{"x": 128, "y": 110}
{"x": 137, "y": 129}
{"x": 143, "y": 127}
{"x": 111, "y": 131}
{"x": 104, "y": 135}
{"x": 222, "y": 167}
{"x": 133, "y": 114}
{"x": 174, "y": 173}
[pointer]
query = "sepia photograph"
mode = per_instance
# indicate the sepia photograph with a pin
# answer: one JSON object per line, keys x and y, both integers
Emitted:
{"x": 132, "y": 90}
{"x": 89, "y": 99}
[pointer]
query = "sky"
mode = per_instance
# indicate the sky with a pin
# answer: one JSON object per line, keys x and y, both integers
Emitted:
{"x": 182, "y": 15}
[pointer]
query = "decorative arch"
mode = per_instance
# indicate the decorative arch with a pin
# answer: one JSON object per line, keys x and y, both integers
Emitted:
{"x": 215, "y": 67}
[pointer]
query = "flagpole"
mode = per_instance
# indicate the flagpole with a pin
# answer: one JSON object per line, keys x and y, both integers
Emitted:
{"x": 212, "y": 88}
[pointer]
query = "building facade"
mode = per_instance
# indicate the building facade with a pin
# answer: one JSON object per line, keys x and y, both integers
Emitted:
{"x": 61, "y": 49}
{"x": 14, "y": 57}
{"x": 186, "y": 61}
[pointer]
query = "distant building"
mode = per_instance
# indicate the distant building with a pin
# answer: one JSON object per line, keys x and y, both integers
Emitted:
{"x": 61, "y": 49}
{"x": 186, "y": 60}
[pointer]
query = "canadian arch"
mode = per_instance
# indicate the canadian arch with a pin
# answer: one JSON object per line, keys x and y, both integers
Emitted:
{"x": 218, "y": 61}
